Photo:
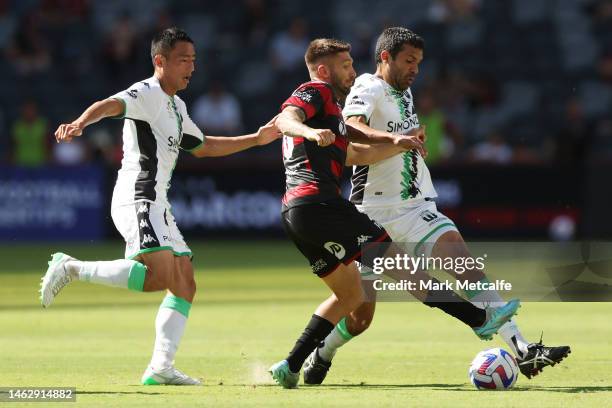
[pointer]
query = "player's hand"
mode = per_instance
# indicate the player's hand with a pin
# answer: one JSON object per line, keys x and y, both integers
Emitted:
{"x": 411, "y": 142}
{"x": 323, "y": 137}
{"x": 419, "y": 132}
{"x": 66, "y": 131}
{"x": 268, "y": 132}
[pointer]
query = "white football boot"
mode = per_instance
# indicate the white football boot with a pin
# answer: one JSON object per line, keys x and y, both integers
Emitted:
{"x": 168, "y": 376}
{"x": 55, "y": 279}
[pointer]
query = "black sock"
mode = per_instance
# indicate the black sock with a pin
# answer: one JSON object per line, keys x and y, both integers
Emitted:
{"x": 315, "y": 332}
{"x": 451, "y": 303}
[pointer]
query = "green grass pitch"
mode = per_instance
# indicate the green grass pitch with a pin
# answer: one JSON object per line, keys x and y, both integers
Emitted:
{"x": 253, "y": 300}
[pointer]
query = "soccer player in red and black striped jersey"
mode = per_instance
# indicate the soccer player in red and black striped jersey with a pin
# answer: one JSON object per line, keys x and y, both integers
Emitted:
{"x": 324, "y": 226}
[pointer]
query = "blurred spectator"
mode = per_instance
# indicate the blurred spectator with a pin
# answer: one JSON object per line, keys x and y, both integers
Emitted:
{"x": 29, "y": 134}
{"x": 8, "y": 23}
{"x": 572, "y": 135}
{"x": 218, "y": 112}
{"x": 439, "y": 145}
{"x": 288, "y": 47}
{"x": 28, "y": 52}
{"x": 605, "y": 67}
{"x": 442, "y": 11}
{"x": 120, "y": 46}
{"x": 494, "y": 150}
{"x": 255, "y": 25}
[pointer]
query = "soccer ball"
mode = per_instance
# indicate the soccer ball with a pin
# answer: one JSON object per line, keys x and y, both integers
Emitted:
{"x": 493, "y": 369}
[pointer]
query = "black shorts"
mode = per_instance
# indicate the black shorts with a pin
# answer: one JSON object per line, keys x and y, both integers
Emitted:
{"x": 331, "y": 232}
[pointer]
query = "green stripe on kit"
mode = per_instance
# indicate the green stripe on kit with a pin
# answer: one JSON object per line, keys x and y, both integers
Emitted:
{"x": 137, "y": 277}
{"x": 179, "y": 304}
{"x": 471, "y": 293}
{"x": 341, "y": 326}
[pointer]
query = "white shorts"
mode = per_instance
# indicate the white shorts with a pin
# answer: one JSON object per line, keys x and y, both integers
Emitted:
{"x": 420, "y": 224}
{"x": 148, "y": 227}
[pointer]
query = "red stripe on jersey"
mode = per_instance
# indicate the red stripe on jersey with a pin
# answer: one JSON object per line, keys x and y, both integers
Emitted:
{"x": 341, "y": 143}
{"x": 336, "y": 168}
{"x": 302, "y": 190}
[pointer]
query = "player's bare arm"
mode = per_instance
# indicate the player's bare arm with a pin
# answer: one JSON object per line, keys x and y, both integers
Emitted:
{"x": 215, "y": 146}
{"x": 360, "y": 132}
{"x": 291, "y": 123}
{"x": 97, "y": 111}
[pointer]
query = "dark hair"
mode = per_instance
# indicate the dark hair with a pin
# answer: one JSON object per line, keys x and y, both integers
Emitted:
{"x": 393, "y": 39}
{"x": 323, "y": 47}
{"x": 164, "y": 41}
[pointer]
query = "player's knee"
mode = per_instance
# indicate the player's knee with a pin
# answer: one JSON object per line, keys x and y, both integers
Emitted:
{"x": 357, "y": 326}
{"x": 191, "y": 287}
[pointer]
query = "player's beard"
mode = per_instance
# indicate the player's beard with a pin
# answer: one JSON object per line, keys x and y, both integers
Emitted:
{"x": 400, "y": 82}
{"x": 340, "y": 89}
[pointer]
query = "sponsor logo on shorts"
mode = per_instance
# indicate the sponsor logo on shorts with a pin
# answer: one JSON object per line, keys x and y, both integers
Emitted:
{"x": 143, "y": 209}
{"x": 148, "y": 239}
{"x": 336, "y": 249}
{"x": 362, "y": 239}
{"x": 318, "y": 266}
{"x": 144, "y": 223}
{"x": 428, "y": 216}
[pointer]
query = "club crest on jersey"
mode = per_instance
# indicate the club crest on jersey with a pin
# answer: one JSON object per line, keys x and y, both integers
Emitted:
{"x": 335, "y": 249}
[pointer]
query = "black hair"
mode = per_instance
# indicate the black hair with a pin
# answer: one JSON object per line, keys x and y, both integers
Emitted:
{"x": 393, "y": 39}
{"x": 164, "y": 41}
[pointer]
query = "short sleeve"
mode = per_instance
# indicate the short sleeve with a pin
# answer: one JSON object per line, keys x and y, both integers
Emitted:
{"x": 139, "y": 102}
{"x": 310, "y": 97}
{"x": 361, "y": 101}
{"x": 192, "y": 135}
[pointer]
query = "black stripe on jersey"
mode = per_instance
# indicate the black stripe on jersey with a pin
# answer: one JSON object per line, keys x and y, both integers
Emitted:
{"x": 190, "y": 142}
{"x": 144, "y": 188}
{"x": 148, "y": 238}
{"x": 358, "y": 180}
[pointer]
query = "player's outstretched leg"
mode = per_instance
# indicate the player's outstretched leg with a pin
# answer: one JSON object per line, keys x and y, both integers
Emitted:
{"x": 63, "y": 269}
{"x": 344, "y": 281}
{"x": 317, "y": 365}
{"x": 171, "y": 320}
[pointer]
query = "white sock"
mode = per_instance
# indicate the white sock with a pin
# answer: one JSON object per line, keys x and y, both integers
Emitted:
{"x": 123, "y": 273}
{"x": 169, "y": 328}
{"x": 513, "y": 338}
{"x": 508, "y": 331}
{"x": 338, "y": 337}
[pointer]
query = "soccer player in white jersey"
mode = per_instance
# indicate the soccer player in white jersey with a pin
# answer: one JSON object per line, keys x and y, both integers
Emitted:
{"x": 156, "y": 126}
{"x": 394, "y": 188}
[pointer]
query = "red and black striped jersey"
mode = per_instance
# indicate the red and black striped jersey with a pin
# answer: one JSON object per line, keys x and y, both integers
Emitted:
{"x": 312, "y": 172}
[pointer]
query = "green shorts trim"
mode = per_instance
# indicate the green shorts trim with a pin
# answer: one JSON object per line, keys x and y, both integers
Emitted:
{"x": 433, "y": 231}
{"x": 147, "y": 250}
{"x": 189, "y": 253}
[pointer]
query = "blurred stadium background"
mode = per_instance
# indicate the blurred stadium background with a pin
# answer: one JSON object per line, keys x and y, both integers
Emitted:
{"x": 516, "y": 96}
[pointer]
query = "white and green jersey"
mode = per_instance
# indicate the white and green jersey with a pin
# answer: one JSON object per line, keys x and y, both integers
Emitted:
{"x": 156, "y": 126}
{"x": 398, "y": 179}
